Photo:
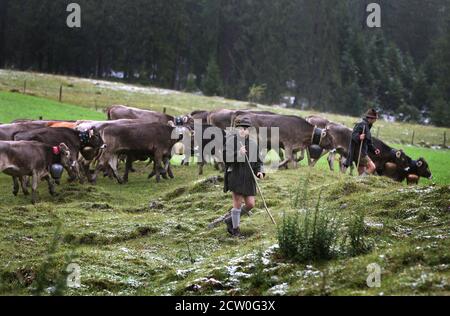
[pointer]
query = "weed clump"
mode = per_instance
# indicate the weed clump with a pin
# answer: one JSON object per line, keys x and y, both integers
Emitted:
{"x": 356, "y": 232}
{"x": 309, "y": 236}
{"x": 313, "y": 234}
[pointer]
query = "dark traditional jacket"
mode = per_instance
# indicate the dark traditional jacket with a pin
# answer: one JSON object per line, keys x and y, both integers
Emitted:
{"x": 238, "y": 175}
{"x": 355, "y": 143}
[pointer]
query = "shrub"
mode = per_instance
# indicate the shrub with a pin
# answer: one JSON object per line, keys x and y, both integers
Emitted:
{"x": 356, "y": 232}
{"x": 309, "y": 236}
{"x": 259, "y": 279}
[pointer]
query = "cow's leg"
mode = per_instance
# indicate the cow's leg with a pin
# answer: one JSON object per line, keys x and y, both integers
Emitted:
{"x": 352, "y": 168}
{"x": 169, "y": 170}
{"x": 15, "y": 186}
{"x": 200, "y": 167}
{"x": 294, "y": 161}
{"x": 157, "y": 163}
{"x": 128, "y": 167}
{"x": 79, "y": 175}
{"x": 331, "y": 158}
{"x": 113, "y": 163}
{"x": 302, "y": 155}
{"x": 289, "y": 157}
{"x": 34, "y": 185}
{"x": 25, "y": 183}
{"x": 51, "y": 185}
{"x": 85, "y": 167}
{"x": 308, "y": 156}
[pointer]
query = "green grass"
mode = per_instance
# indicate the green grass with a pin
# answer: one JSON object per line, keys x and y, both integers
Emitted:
{"x": 152, "y": 239}
{"x": 17, "y": 106}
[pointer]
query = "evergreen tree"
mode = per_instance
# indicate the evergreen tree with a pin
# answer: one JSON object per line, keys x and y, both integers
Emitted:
{"x": 212, "y": 84}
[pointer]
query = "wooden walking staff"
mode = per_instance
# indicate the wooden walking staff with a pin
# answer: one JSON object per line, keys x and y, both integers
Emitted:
{"x": 259, "y": 189}
{"x": 360, "y": 149}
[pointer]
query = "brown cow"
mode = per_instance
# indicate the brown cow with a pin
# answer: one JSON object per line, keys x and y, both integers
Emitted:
{"x": 224, "y": 118}
{"x": 20, "y": 159}
{"x": 200, "y": 115}
{"x": 415, "y": 170}
{"x": 295, "y": 133}
{"x": 139, "y": 140}
{"x": 7, "y": 131}
{"x": 117, "y": 112}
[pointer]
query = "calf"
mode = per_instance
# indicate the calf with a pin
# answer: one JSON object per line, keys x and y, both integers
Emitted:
{"x": 20, "y": 159}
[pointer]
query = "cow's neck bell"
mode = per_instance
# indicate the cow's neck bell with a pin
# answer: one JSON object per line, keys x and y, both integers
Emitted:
{"x": 56, "y": 171}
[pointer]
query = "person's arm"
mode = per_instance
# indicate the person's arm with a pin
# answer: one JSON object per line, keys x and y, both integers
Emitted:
{"x": 231, "y": 151}
{"x": 357, "y": 132}
{"x": 258, "y": 166}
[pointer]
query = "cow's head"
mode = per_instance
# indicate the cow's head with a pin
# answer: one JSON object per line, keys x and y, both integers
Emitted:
{"x": 95, "y": 139}
{"x": 183, "y": 121}
{"x": 326, "y": 139}
{"x": 400, "y": 159}
{"x": 423, "y": 169}
{"x": 66, "y": 158}
{"x": 91, "y": 138}
{"x": 69, "y": 161}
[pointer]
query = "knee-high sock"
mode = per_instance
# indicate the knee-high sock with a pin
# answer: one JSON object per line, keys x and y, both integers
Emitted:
{"x": 236, "y": 217}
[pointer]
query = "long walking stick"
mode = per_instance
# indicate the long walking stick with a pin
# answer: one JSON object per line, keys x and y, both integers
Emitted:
{"x": 259, "y": 190}
{"x": 360, "y": 149}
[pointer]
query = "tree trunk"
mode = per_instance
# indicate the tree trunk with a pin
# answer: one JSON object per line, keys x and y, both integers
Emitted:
{"x": 3, "y": 18}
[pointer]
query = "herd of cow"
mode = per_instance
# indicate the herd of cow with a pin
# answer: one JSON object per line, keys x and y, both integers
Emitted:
{"x": 29, "y": 149}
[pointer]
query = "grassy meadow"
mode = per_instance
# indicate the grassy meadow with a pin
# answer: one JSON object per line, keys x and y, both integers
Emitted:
{"x": 145, "y": 238}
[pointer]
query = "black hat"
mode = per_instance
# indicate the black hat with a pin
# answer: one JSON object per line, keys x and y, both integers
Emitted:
{"x": 244, "y": 122}
{"x": 372, "y": 113}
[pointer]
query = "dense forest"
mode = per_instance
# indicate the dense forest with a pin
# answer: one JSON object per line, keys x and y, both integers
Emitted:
{"x": 319, "y": 51}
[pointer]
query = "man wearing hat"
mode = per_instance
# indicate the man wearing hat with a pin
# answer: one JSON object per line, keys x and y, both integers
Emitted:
{"x": 242, "y": 163}
{"x": 362, "y": 140}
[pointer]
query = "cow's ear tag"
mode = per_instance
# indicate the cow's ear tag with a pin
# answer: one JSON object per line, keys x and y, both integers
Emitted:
{"x": 398, "y": 154}
{"x": 56, "y": 150}
{"x": 419, "y": 164}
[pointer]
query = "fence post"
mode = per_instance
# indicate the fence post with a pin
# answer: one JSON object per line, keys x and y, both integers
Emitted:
{"x": 413, "y": 136}
{"x": 445, "y": 139}
{"x": 41, "y": 118}
{"x": 60, "y": 93}
{"x": 24, "y": 87}
{"x": 164, "y": 110}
